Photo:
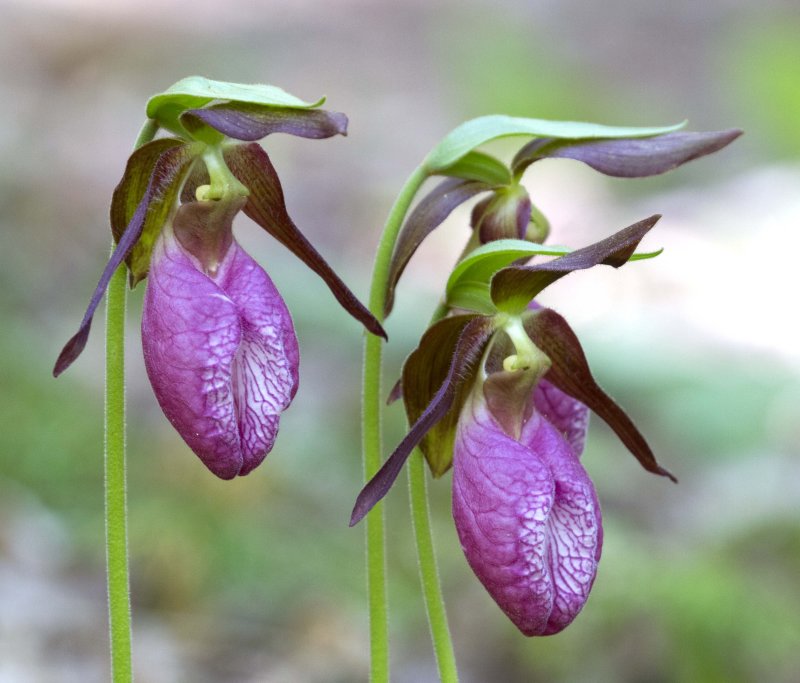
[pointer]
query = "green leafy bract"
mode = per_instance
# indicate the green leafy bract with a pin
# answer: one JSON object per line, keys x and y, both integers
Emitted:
{"x": 479, "y": 166}
{"x": 197, "y": 91}
{"x": 514, "y": 287}
{"x": 468, "y": 286}
{"x": 479, "y": 131}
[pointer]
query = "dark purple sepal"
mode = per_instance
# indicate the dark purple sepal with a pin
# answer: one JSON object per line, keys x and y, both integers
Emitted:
{"x": 428, "y": 215}
{"x": 267, "y": 207}
{"x": 513, "y": 288}
{"x": 631, "y": 157}
{"x": 570, "y": 372}
{"x": 141, "y": 166}
{"x": 131, "y": 188}
{"x": 155, "y": 205}
{"x": 475, "y": 333}
{"x": 251, "y": 122}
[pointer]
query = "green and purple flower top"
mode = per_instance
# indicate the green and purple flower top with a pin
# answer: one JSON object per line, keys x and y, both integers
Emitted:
{"x": 219, "y": 344}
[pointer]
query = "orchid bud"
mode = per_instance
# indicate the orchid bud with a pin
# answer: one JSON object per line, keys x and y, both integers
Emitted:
{"x": 527, "y": 516}
{"x": 219, "y": 344}
{"x": 505, "y": 214}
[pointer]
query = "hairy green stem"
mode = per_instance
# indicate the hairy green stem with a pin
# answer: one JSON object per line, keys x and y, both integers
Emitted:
{"x": 372, "y": 446}
{"x": 428, "y": 571}
{"x": 372, "y": 439}
{"x": 119, "y": 605}
{"x": 119, "y": 611}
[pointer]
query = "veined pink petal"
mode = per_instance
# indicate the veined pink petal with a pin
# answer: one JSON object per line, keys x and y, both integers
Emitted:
{"x": 220, "y": 352}
{"x": 574, "y": 526}
{"x": 527, "y": 517}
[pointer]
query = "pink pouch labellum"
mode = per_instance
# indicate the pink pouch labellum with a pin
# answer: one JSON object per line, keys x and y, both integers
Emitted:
{"x": 221, "y": 354}
{"x": 528, "y": 519}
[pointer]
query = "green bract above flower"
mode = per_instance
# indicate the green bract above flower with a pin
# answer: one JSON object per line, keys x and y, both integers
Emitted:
{"x": 476, "y": 132}
{"x": 469, "y": 285}
{"x": 206, "y": 162}
{"x": 195, "y": 92}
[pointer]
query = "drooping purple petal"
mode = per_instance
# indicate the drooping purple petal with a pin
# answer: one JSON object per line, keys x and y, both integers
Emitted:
{"x": 571, "y": 374}
{"x": 425, "y": 371}
{"x": 468, "y": 351}
{"x": 266, "y": 206}
{"x": 167, "y": 173}
{"x": 126, "y": 198}
{"x": 567, "y": 414}
{"x": 220, "y": 352}
{"x": 527, "y": 517}
{"x": 251, "y": 122}
{"x": 428, "y": 215}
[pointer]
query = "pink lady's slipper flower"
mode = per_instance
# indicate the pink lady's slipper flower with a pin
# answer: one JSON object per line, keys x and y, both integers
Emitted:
{"x": 219, "y": 345}
{"x": 503, "y": 399}
{"x": 499, "y": 388}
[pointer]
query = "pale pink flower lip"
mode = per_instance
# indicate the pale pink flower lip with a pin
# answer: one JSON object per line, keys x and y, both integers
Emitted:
{"x": 219, "y": 348}
{"x": 527, "y": 516}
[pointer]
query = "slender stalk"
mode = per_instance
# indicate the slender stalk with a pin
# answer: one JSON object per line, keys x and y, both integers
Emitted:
{"x": 371, "y": 435}
{"x": 428, "y": 571}
{"x": 119, "y": 606}
{"x": 119, "y": 610}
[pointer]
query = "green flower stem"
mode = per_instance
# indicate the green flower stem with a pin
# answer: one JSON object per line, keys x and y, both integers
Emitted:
{"x": 119, "y": 606}
{"x": 372, "y": 447}
{"x": 371, "y": 435}
{"x": 428, "y": 571}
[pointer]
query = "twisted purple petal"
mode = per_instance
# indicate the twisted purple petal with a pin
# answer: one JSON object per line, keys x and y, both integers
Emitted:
{"x": 528, "y": 519}
{"x": 220, "y": 352}
{"x": 567, "y": 414}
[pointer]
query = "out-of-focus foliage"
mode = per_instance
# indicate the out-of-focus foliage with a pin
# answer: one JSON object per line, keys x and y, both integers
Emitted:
{"x": 763, "y": 73}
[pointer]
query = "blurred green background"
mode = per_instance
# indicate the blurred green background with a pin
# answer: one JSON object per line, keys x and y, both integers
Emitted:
{"x": 259, "y": 579}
